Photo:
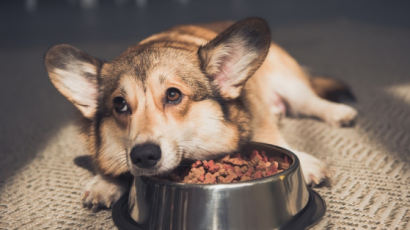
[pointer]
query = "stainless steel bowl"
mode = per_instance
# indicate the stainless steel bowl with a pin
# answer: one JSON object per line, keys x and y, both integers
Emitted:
{"x": 279, "y": 201}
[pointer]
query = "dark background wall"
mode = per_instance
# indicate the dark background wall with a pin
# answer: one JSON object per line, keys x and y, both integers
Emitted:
{"x": 44, "y": 22}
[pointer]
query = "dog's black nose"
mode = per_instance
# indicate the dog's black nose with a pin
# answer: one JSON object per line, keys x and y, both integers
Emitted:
{"x": 145, "y": 155}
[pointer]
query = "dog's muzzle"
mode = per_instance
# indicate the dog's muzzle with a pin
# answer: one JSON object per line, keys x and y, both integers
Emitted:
{"x": 145, "y": 155}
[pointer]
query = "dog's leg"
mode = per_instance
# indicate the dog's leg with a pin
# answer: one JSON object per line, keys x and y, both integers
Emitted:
{"x": 102, "y": 192}
{"x": 306, "y": 102}
{"x": 266, "y": 130}
{"x": 264, "y": 105}
{"x": 314, "y": 170}
{"x": 282, "y": 75}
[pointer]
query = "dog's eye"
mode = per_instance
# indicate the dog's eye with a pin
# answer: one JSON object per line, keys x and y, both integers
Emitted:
{"x": 173, "y": 96}
{"x": 120, "y": 105}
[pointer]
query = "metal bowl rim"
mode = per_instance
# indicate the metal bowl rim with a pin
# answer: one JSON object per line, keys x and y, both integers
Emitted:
{"x": 269, "y": 179}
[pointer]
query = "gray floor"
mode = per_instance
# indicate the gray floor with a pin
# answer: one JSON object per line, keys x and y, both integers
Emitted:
{"x": 366, "y": 43}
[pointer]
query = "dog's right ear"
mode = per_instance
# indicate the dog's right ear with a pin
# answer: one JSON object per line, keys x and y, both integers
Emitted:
{"x": 74, "y": 73}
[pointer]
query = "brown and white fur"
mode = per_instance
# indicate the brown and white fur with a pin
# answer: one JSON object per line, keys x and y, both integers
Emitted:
{"x": 191, "y": 92}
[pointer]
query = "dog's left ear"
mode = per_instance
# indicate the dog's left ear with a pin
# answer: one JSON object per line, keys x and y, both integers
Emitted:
{"x": 234, "y": 55}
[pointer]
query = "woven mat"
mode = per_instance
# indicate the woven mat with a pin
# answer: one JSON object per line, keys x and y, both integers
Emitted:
{"x": 40, "y": 184}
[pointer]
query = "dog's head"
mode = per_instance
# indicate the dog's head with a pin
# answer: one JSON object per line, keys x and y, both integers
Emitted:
{"x": 157, "y": 104}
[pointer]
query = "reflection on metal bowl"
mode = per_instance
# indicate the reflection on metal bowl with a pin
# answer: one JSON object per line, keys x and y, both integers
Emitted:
{"x": 275, "y": 202}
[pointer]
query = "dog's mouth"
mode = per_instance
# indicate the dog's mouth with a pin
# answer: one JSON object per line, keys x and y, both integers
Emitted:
{"x": 135, "y": 171}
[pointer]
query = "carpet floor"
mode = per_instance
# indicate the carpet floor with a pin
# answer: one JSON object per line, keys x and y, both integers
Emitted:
{"x": 367, "y": 45}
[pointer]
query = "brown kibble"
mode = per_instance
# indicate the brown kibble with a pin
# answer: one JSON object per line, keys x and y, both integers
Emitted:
{"x": 227, "y": 167}
{"x": 228, "y": 179}
{"x": 245, "y": 178}
{"x": 212, "y": 167}
{"x": 196, "y": 164}
{"x": 255, "y": 157}
{"x": 249, "y": 172}
{"x": 235, "y": 161}
{"x": 238, "y": 171}
{"x": 257, "y": 175}
{"x": 261, "y": 165}
{"x": 230, "y": 169}
{"x": 210, "y": 178}
{"x": 195, "y": 175}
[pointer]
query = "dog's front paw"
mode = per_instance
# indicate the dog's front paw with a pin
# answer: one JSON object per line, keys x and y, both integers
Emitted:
{"x": 341, "y": 115}
{"x": 314, "y": 170}
{"x": 102, "y": 192}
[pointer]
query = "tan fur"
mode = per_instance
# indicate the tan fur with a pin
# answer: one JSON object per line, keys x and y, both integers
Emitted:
{"x": 231, "y": 77}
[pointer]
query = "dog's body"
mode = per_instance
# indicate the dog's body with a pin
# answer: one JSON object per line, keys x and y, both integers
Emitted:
{"x": 194, "y": 91}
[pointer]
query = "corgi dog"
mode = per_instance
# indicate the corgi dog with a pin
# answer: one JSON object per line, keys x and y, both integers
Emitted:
{"x": 190, "y": 92}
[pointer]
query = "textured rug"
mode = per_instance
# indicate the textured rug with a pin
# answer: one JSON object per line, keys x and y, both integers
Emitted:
{"x": 41, "y": 183}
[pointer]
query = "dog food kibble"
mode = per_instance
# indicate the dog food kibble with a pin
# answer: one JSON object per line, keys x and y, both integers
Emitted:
{"x": 230, "y": 168}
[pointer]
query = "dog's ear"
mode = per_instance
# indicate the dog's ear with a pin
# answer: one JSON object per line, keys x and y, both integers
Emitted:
{"x": 234, "y": 55}
{"x": 74, "y": 73}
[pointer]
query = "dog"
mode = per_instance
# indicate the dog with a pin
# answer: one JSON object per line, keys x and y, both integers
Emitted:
{"x": 190, "y": 92}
